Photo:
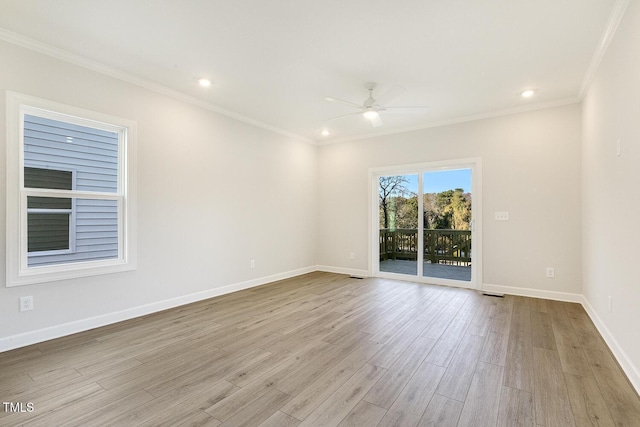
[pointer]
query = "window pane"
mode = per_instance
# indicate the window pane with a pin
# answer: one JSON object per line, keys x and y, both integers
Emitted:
{"x": 94, "y": 234}
{"x": 48, "y": 178}
{"x": 398, "y": 198}
{"x": 48, "y": 203}
{"x": 92, "y": 153}
{"x": 48, "y": 232}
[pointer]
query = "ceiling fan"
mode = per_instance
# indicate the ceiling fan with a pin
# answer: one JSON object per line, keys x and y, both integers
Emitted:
{"x": 371, "y": 107}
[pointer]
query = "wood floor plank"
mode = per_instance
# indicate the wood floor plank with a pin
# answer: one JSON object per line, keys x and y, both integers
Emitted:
{"x": 306, "y": 401}
{"x": 553, "y": 407}
{"x": 587, "y": 403}
{"x": 385, "y": 391}
{"x": 408, "y": 408}
{"x": 96, "y": 410}
{"x": 516, "y": 408}
{"x": 196, "y": 403}
{"x": 519, "y": 365}
{"x": 259, "y": 410}
{"x": 495, "y": 349}
{"x": 364, "y": 414}
{"x": 574, "y": 360}
{"x": 199, "y": 419}
{"x": 396, "y": 346}
{"x": 620, "y": 398}
{"x": 280, "y": 419}
{"x": 327, "y": 349}
{"x": 48, "y": 404}
{"x": 337, "y": 406}
{"x": 357, "y": 348}
{"x": 483, "y": 399}
{"x": 441, "y": 412}
{"x": 562, "y": 329}
{"x": 481, "y": 322}
{"x": 501, "y": 323}
{"x": 226, "y": 407}
{"x": 458, "y": 376}
{"x": 442, "y": 352}
{"x": 542, "y": 331}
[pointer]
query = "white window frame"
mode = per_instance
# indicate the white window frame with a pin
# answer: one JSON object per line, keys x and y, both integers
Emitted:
{"x": 71, "y": 212}
{"x": 18, "y": 271}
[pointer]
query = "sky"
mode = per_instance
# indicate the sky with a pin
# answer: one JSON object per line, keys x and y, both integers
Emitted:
{"x": 437, "y": 181}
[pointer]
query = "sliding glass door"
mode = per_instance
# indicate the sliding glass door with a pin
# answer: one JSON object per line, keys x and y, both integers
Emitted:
{"x": 424, "y": 221}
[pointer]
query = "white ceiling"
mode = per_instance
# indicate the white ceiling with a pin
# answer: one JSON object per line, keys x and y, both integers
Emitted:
{"x": 274, "y": 61}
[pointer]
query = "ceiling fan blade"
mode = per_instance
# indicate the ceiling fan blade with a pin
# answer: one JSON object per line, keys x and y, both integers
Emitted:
{"x": 392, "y": 93}
{"x": 343, "y": 116}
{"x": 407, "y": 109}
{"x": 342, "y": 101}
{"x": 376, "y": 121}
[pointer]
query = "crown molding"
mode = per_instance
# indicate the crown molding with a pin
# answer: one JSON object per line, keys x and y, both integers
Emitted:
{"x": 612, "y": 25}
{"x": 81, "y": 61}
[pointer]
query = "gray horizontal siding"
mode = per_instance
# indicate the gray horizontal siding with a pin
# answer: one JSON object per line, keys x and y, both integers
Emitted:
{"x": 93, "y": 155}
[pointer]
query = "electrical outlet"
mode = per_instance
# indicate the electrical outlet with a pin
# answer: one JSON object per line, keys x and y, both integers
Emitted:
{"x": 252, "y": 263}
{"x": 26, "y": 303}
{"x": 551, "y": 272}
{"x": 352, "y": 255}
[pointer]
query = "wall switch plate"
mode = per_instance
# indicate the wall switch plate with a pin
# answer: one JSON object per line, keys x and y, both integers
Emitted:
{"x": 352, "y": 255}
{"x": 551, "y": 272}
{"x": 618, "y": 148}
{"x": 502, "y": 216}
{"x": 252, "y": 263}
{"x": 26, "y": 303}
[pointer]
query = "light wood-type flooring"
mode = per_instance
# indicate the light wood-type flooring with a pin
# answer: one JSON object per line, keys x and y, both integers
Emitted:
{"x": 325, "y": 349}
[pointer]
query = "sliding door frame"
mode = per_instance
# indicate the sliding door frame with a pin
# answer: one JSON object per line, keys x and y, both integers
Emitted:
{"x": 475, "y": 164}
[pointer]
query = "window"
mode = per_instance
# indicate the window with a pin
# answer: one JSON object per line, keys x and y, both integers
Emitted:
{"x": 70, "y": 192}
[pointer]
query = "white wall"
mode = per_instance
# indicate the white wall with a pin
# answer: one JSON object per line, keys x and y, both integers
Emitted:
{"x": 611, "y": 193}
{"x": 214, "y": 192}
{"x": 531, "y": 168}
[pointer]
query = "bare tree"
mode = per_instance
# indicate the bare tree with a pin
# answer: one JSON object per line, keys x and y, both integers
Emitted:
{"x": 391, "y": 186}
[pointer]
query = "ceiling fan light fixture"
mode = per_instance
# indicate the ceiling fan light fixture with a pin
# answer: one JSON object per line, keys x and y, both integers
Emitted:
{"x": 528, "y": 93}
{"x": 371, "y": 114}
{"x": 204, "y": 82}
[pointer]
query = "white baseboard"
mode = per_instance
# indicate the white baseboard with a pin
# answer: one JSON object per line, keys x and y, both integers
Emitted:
{"x": 341, "y": 270}
{"x": 57, "y": 331}
{"x": 535, "y": 293}
{"x": 629, "y": 368}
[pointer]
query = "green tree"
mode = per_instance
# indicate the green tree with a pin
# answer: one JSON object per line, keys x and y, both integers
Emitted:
{"x": 450, "y": 209}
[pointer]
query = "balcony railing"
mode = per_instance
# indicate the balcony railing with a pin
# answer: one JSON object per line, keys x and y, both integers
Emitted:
{"x": 440, "y": 246}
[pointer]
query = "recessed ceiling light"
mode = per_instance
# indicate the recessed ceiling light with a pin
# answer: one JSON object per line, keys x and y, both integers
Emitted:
{"x": 325, "y": 133}
{"x": 204, "y": 82}
{"x": 528, "y": 93}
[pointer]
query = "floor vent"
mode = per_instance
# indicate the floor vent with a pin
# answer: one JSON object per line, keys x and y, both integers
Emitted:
{"x": 493, "y": 294}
